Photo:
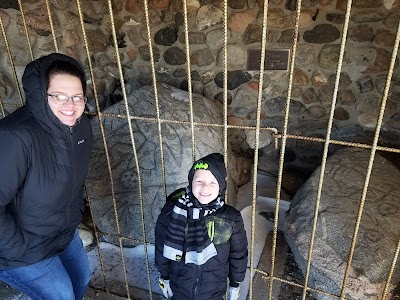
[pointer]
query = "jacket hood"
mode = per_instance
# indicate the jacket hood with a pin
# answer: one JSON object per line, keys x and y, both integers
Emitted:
{"x": 35, "y": 81}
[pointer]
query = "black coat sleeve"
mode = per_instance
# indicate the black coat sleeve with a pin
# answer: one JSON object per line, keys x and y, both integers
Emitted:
{"x": 238, "y": 251}
{"x": 162, "y": 263}
{"x": 14, "y": 164}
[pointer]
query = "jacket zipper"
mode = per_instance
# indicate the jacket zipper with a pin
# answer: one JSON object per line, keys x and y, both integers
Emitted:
{"x": 196, "y": 287}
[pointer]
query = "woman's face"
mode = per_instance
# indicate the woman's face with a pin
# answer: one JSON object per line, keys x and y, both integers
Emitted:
{"x": 69, "y": 85}
{"x": 205, "y": 186}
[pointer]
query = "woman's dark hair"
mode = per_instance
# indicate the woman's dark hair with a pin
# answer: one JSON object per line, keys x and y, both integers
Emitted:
{"x": 66, "y": 67}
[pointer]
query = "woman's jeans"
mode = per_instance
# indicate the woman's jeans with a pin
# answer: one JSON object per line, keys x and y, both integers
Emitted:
{"x": 63, "y": 277}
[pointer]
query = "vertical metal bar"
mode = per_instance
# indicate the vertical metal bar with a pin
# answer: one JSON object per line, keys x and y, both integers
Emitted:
{"x": 99, "y": 117}
{"x": 257, "y": 140}
{"x": 326, "y": 145}
{"x": 283, "y": 146}
{"x": 26, "y": 29}
{"x": 51, "y": 25}
{"x": 189, "y": 77}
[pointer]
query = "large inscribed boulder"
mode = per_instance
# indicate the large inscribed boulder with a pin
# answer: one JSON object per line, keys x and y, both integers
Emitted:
{"x": 340, "y": 199}
{"x": 123, "y": 185}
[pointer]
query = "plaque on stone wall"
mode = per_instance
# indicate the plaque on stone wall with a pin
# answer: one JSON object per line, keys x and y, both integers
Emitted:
{"x": 275, "y": 59}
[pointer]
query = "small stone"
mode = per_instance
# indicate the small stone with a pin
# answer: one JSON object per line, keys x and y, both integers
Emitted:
{"x": 365, "y": 84}
{"x": 335, "y": 18}
{"x": 361, "y": 33}
{"x": 341, "y": 114}
{"x": 384, "y": 37}
{"x": 329, "y": 55}
{"x": 346, "y": 97}
{"x": 318, "y": 78}
{"x": 309, "y": 96}
{"x": 322, "y": 34}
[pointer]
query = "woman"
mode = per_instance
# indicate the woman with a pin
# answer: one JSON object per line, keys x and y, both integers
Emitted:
{"x": 44, "y": 155}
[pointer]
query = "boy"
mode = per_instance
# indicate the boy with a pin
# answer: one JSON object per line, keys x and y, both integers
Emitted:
{"x": 201, "y": 241}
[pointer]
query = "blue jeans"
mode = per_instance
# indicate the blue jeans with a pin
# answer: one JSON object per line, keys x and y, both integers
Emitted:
{"x": 63, "y": 277}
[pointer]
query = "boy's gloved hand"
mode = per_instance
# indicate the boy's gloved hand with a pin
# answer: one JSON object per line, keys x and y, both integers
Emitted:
{"x": 234, "y": 293}
{"x": 165, "y": 287}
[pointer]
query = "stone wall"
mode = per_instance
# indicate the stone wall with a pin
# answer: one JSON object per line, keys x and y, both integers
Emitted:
{"x": 371, "y": 36}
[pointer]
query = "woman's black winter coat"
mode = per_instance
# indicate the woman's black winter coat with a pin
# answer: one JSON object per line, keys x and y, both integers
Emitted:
{"x": 207, "y": 281}
{"x": 43, "y": 167}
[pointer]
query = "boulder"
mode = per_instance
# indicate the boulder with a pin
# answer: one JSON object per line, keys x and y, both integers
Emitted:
{"x": 340, "y": 199}
{"x": 122, "y": 186}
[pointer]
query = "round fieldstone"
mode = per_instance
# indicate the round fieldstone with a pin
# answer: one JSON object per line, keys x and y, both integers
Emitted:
{"x": 309, "y": 3}
{"x": 392, "y": 19}
{"x": 180, "y": 72}
{"x": 384, "y": 37}
{"x": 341, "y": 114}
{"x": 237, "y": 4}
{"x": 291, "y": 5}
{"x": 276, "y": 18}
{"x": 194, "y": 38}
{"x": 344, "y": 80}
{"x": 235, "y": 79}
{"x": 366, "y": 17}
{"x": 145, "y": 53}
{"x": 328, "y": 57}
{"x": 215, "y": 38}
{"x": 368, "y": 104}
{"x": 299, "y": 77}
{"x": 367, "y": 120}
{"x": 346, "y": 97}
{"x": 195, "y": 76}
{"x": 236, "y": 57}
{"x": 220, "y": 98}
{"x": 208, "y": 16}
{"x": 322, "y": 34}
{"x": 316, "y": 111}
{"x": 325, "y": 94}
{"x": 394, "y": 121}
{"x": 365, "y": 84}
{"x": 297, "y": 91}
{"x": 318, "y": 78}
{"x": 286, "y": 37}
{"x": 175, "y": 56}
{"x": 335, "y": 18}
{"x": 252, "y": 34}
{"x": 275, "y": 105}
{"x": 305, "y": 54}
{"x": 179, "y": 19}
{"x": 238, "y": 22}
{"x": 202, "y": 57}
{"x": 166, "y": 36}
{"x": 367, "y": 3}
{"x": 381, "y": 62}
{"x": 309, "y": 96}
{"x": 361, "y": 33}
{"x": 296, "y": 107}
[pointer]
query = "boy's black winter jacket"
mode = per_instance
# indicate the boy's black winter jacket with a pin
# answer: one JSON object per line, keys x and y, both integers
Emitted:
{"x": 208, "y": 281}
{"x": 43, "y": 166}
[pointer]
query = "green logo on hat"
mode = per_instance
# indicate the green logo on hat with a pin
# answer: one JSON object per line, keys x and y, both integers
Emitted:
{"x": 201, "y": 165}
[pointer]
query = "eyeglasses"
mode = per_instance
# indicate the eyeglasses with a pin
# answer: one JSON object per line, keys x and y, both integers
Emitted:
{"x": 63, "y": 99}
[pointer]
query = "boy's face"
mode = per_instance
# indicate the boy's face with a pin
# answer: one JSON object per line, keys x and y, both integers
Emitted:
{"x": 205, "y": 186}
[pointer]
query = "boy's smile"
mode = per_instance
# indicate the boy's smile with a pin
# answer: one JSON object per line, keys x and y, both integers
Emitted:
{"x": 205, "y": 186}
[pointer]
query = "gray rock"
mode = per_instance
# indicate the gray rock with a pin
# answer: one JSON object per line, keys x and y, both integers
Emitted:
{"x": 321, "y": 34}
{"x": 340, "y": 199}
{"x": 177, "y": 150}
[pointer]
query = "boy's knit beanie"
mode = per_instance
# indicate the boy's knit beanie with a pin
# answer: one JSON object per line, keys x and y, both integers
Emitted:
{"x": 214, "y": 163}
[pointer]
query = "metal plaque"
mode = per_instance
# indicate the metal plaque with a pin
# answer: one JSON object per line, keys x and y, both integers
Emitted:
{"x": 276, "y": 59}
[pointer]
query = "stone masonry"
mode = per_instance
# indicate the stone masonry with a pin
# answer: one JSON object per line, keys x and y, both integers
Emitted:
{"x": 370, "y": 40}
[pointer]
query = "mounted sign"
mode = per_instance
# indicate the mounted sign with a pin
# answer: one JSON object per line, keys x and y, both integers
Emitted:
{"x": 276, "y": 59}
